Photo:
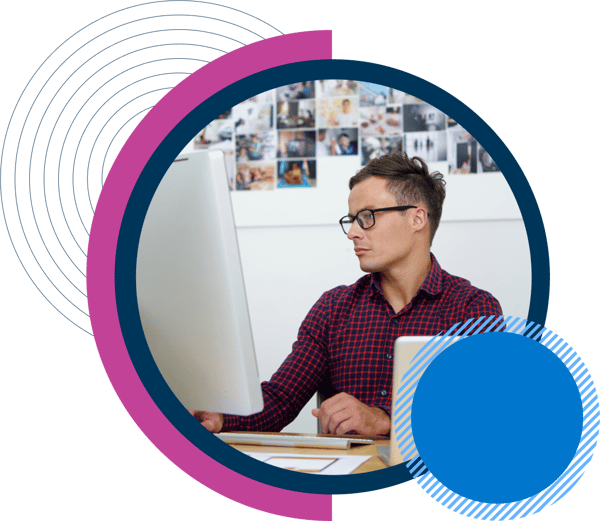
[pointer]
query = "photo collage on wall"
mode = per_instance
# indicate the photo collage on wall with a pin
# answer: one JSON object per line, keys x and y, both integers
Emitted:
{"x": 274, "y": 140}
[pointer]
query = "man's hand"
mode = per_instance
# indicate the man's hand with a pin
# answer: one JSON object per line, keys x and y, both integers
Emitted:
{"x": 343, "y": 413}
{"x": 213, "y": 421}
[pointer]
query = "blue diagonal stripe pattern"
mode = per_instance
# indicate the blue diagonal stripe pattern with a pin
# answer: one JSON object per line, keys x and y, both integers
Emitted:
{"x": 497, "y": 511}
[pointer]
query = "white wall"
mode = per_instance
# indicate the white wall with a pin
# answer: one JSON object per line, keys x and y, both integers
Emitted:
{"x": 468, "y": 198}
{"x": 287, "y": 268}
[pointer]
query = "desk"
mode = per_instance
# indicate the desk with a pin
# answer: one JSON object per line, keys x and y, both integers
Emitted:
{"x": 373, "y": 463}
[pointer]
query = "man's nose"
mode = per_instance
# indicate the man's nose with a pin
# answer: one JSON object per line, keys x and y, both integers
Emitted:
{"x": 355, "y": 230}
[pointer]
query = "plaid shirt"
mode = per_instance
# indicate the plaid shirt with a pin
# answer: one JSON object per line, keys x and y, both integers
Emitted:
{"x": 348, "y": 337}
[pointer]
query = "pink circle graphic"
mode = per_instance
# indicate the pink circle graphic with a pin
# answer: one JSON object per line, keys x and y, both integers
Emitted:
{"x": 131, "y": 160}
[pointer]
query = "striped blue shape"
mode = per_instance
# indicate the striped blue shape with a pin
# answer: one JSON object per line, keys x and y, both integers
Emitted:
{"x": 497, "y": 511}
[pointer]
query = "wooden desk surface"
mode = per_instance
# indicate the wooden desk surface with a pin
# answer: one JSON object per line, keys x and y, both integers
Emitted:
{"x": 373, "y": 463}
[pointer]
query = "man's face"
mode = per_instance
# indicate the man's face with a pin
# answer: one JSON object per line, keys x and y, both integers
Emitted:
{"x": 344, "y": 141}
{"x": 387, "y": 245}
{"x": 346, "y": 107}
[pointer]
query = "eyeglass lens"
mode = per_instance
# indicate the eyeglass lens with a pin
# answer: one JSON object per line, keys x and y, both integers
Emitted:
{"x": 365, "y": 218}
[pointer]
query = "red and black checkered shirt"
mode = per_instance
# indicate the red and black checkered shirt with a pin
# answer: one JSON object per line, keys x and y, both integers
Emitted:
{"x": 348, "y": 338}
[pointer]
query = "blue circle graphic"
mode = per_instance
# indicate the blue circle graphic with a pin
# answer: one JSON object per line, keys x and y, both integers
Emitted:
{"x": 508, "y": 406}
{"x": 504, "y": 409}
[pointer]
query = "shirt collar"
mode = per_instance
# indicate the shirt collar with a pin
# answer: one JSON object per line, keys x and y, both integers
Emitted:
{"x": 431, "y": 285}
{"x": 433, "y": 282}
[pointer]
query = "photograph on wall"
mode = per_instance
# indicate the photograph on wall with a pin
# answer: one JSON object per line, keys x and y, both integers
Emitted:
{"x": 429, "y": 146}
{"x": 296, "y": 91}
{"x": 326, "y": 118}
{"x": 255, "y": 147}
{"x": 297, "y": 174}
{"x": 230, "y": 168}
{"x": 397, "y": 97}
{"x": 450, "y": 122}
{"x": 485, "y": 163}
{"x": 255, "y": 176}
{"x": 380, "y": 121}
{"x": 374, "y": 147}
{"x": 296, "y": 114}
{"x": 337, "y": 142}
{"x": 338, "y": 112}
{"x": 336, "y": 88}
{"x": 217, "y": 134}
{"x": 250, "y": 118}
{"x": 296, "y": 143}
{"x": 225, "y": 115}
{"x": 462, "y": 151}
{"x": 262, "y": 98}
{"x": 372, "y": 94}
{"x": 422, "y": 116}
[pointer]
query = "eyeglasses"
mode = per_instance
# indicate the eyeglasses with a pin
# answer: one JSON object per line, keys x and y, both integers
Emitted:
{"x": 366, "y": 218}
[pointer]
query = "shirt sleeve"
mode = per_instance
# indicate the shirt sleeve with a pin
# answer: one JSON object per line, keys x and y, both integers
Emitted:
{"x": 482, "y": 304}
{"x": 298, "y": 378}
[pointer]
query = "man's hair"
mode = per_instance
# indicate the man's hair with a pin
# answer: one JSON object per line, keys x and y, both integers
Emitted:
{"x": 410, "y": 182}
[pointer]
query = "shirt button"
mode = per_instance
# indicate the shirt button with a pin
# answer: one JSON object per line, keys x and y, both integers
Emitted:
{"x": 383, "y": 393}
{"x": 389, "y": 356}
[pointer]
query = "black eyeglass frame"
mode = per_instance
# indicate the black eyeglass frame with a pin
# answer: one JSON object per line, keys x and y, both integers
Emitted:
{"x": 373, "y": 211}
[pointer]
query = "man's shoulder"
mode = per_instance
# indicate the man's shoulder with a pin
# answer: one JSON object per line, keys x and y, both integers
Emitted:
{"x": 453, "y": 283}
{"x": 346, "y": 296}
{"x": 459, "y": 289}
{"x": 360, "y": 287}
{"x": 337, "y": 302}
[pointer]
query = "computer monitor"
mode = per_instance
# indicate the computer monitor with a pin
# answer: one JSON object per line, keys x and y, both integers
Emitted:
{"x": 191, "y": 293}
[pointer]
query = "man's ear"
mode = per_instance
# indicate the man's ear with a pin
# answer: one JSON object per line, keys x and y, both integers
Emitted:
{"x": 420, "y": 219}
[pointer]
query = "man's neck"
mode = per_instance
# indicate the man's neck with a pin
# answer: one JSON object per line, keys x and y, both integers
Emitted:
{"x": 401, "y": 284}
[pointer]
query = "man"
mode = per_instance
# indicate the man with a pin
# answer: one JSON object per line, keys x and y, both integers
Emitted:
{"x": 345, "y": 118}
{"x": 322, "y": 148}
{"x": 346, "y": 340}
{"x": 344, "y": 147}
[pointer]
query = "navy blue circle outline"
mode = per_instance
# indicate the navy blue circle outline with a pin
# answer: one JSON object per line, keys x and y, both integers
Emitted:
{"x": 183, "y": 133}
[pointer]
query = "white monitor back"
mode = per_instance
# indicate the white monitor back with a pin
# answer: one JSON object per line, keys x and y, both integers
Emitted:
{"x": 405, "y": 350}
{"x": 191, "y": 292}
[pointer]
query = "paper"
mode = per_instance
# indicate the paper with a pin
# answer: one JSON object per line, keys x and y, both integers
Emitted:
{"x": 326, "y": 464}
